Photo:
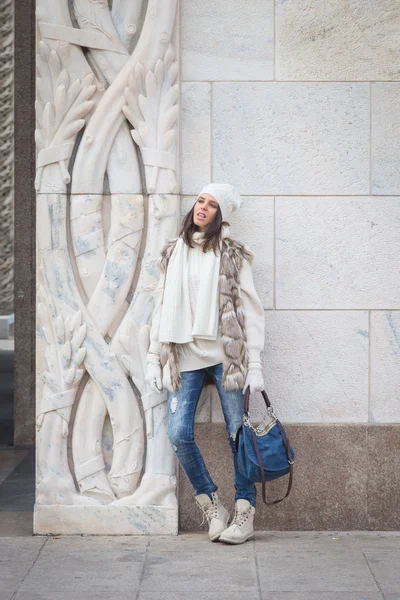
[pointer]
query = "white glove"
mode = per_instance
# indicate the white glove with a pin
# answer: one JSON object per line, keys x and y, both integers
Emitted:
{"x": 254, "y": 378}
{"x": 153, "y": 375}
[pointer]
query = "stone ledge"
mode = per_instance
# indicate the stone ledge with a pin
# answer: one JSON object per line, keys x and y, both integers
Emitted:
{"x": 345, "y": 479}
{"x": 105, "y": 520}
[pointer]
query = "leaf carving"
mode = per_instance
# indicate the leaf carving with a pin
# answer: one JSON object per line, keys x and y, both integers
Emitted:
{"x": 64, "y": 337}
{"x": 92, "y": 23}
{"x": 152, "y": 109}
{"x": 61, "y": 106}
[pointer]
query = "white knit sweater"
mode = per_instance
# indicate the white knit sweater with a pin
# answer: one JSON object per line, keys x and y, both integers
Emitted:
{"x": 204, "y": 353}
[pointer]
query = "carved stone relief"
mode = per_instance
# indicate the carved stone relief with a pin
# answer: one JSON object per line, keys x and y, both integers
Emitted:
{"x": 107, "y": 200}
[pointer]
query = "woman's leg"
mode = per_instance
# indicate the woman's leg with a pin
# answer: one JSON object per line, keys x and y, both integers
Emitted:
{"x": 182, "y": 406}
{"x": 233, "y": 407}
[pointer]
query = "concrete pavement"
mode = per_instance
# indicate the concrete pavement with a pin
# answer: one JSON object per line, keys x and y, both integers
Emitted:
{"x": 275, "y": 566}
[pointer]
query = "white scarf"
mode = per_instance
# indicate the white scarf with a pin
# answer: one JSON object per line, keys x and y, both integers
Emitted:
{"x": 176, "y": 317}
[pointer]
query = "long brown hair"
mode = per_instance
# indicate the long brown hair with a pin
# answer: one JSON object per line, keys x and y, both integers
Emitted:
{"x": 212, "y": 235}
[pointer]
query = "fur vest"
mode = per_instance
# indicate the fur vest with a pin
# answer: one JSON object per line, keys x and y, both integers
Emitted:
{"x": 231, "y": 317}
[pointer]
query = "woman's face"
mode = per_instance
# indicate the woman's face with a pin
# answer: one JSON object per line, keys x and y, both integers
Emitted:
{"x": 205, "y": 210}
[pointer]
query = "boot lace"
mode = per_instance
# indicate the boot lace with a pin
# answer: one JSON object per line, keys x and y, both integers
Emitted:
{"x": 241, "y": 517}
{"x": 210, "y": 510}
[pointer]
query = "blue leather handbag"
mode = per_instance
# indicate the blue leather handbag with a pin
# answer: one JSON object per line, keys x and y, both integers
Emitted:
{"x": 264, "y": 452}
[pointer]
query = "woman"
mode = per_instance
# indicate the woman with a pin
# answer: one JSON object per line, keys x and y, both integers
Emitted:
{"x": 208, "y": 322}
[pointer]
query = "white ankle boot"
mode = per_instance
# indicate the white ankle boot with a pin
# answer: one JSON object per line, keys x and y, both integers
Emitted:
{"x": 241, "y": 528}
{"x": 216, "y": 514}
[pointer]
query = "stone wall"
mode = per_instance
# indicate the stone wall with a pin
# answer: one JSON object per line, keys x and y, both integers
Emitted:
{"x": 298, "y": 108}
{"x": 25, "y": 211}
{"x": 297, "y": 105}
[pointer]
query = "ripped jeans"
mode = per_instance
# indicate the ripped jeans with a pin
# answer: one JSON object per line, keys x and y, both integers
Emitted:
{"x": 182, "y": 406}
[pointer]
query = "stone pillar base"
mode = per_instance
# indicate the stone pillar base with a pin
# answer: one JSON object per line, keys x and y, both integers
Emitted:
{"x": 105, "y": 520}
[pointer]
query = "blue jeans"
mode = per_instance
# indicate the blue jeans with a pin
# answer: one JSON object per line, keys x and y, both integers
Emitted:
{"x": 182, "y": 406}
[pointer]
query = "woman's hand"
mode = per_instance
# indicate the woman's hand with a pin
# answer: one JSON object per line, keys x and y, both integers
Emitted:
{"x": 254, "y": 378}
{"x": 153, "y": 375}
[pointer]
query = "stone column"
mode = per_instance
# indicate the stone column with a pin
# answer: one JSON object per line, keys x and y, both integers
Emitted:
{"x": 24, "y": 248}
{"x": 107, "y": 201}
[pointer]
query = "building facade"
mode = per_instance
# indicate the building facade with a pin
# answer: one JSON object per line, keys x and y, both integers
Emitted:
{"x": 298, "y": 108}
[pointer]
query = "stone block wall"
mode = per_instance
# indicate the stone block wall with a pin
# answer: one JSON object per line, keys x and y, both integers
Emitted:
{"x": 297, "y": 105}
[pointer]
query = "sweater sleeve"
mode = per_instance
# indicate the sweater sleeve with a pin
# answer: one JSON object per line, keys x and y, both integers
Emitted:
{"x": 254, "y": 317}
{"x": 155, "y": 345}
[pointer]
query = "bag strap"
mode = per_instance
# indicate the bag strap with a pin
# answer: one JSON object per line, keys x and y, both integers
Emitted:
{"x": 247, "y": 399}
{"x": 285, "y": 442}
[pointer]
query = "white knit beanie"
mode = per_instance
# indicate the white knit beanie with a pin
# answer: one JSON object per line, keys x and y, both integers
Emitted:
{"x": 226, "y": 195}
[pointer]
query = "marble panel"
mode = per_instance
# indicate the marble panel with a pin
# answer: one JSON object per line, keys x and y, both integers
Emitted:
{"x": 385, "y": 141}
{"x": 196, "y": 136}
{"x": 292, "y": 138}
{"x": 346, "y": 41}
{"x": 385, "y": 366}
{"x": 337, "y": 253}
{"x": 316, "y": 366}
{"x": 227, "y": 40}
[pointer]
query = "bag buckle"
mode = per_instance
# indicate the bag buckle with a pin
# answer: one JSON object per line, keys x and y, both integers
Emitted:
{"x": 262, "y": 428}
{"x": 246, "y": 421}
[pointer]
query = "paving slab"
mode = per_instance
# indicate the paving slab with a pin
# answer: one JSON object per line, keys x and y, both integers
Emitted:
{"x": 199, "y": 572}
{"x": 189, "y": 595}
{"x": 5, "y": 472}
{"x": 16, "y": 524}
{"x": 87, "y": 595}
{"x": 275, "y": 566}
{"x": 17, "y": 556}
{"x": 95, "y": 544}
{"x": 22, "y": 492}
{"x": 322, "y": 596}
{"x": 10, "y": 456}
{"x": 102, "y": 570}
{"x": 198, "y": 542}
{"x": 314, "y": 570}
{"x": 372, "y": 540}
{"x": 17, "y": 490}
{"x": 385, "y": 566}
{"x": 308, "y": 540}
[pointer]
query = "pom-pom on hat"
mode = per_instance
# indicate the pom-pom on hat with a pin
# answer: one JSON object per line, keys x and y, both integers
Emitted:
{"x": 226, "y": 195}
